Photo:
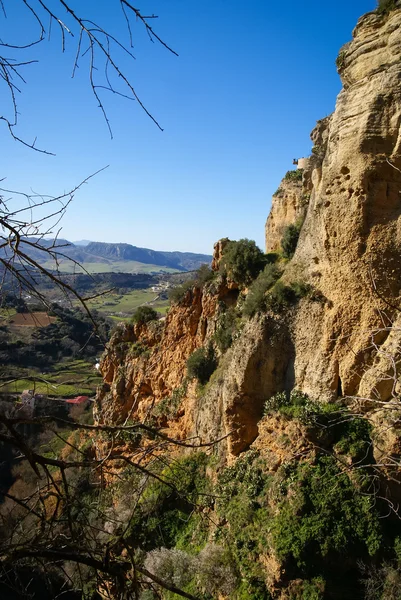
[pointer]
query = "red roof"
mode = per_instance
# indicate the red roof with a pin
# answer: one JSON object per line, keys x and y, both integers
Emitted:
{"x": 78, "y": 400}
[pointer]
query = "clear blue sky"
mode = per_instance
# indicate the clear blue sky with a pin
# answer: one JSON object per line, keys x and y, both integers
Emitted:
{"x": 236, "y": 106}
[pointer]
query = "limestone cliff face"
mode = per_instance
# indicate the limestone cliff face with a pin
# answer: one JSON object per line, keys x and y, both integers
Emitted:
{"x": 289, "y": 205}
{"x": 145, "y": 363}
{"x": 351, "y": 236}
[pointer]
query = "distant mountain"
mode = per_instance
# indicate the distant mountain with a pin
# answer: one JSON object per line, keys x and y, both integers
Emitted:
{"x": 112, "y": 256}
{"x": 81, "y": 242}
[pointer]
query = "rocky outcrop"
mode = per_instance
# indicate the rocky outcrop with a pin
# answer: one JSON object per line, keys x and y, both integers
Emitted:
{"x": 289, "y": 205}
{"x": 145, "y": 363}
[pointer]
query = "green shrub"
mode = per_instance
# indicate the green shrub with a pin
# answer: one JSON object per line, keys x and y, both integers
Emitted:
{"x": 201, "y": 364}
{"x": 278, "y": 193}
{"x": 340, "y": 63}
{"x": 226, "y": 328}
{"x": 289, "y": 240}
{"x": 384, "y": 7}
{"x": 177, "y": 293}
{"x": 325, "y": 513}
{"x": 241, "y": 501}
{"x": 163, "y": 513}
{"x": 309, "y": 590}
{"x": 242, "y": 261}
{"x": 349, "y": 434}
{"x": 295, "y": 405}
{"x": 353, "y": 434}
{"x": 301, "y": 289}
{"x": 144, "y": 314}
{"x": 294, "y": 175}
{"x": 256, "y": 300}
{"x": 202, "y": 276}
{"x": 169, "y": 406}
{"x": 136, "y": 349}
{"x": 280, "y": 297}
{"x": 272, "y": 257}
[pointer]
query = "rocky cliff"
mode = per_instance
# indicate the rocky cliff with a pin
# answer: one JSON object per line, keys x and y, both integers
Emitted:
{"x": 350, "y": 239}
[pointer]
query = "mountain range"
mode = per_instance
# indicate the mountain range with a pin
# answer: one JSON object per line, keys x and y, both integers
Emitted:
{"x": 101, "y": 257}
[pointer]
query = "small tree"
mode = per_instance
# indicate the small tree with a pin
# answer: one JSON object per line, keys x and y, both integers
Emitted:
{"x": 144, "y": 314}
{"x": 386, "y": 6}
{"x": 242, "y": 261}
{"x": 289, "y": 240}
{"x": 201, "y": 364}
{"x": 256, "y": 298}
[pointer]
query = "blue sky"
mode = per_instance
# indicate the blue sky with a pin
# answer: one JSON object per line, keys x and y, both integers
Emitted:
{"x": 236, "y": 106}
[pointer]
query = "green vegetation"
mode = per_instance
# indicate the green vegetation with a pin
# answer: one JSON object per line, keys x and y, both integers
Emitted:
{"x": 227, "y": 325}
{"x": 384, "y": 7}
{"x": 66, "y": 379}
{"x": 242, "y": 502}
{"x": 317, "y": 150}
{"x": 169, "y": 406}
{"x": 144, "y": 314}
{"x": 117, "y": 266}
{"x": 265, "y": 295}
{"x": 163, "y": 517}
{"x": 127, "y": 302}
{"x": 178, "y": 293}
{"x": 272, "y": 257}
{"x": 294, "y": 175}
{"x": 340, "y": 64}
{"x": 324, "y": 513}
{"x": 256, "y": 300}
{"x": 290, "y": 237}
{"x": 242, "y": 261}
{"x": 202, "y": 276}
{"x": 71, "y": 334}
{"x": 201, "y": 364}
{"x": 278, "y": 193}
{"x": 349, "y": 435}
{"x": 136, "y": 349}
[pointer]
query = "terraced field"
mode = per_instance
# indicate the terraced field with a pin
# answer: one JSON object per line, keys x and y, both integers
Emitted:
{"x": 67, "y": 379}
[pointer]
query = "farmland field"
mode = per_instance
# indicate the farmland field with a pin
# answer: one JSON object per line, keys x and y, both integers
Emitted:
{"x": 121, "y": 266}
{"x": 31, "y": 319}
{"x": 111, "y": 304}
{"x": 66, "y": 379}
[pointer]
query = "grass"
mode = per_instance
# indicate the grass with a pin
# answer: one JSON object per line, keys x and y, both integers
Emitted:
{"x": 6, "y": 314}
{"x": 69, "y": 378}
{"x": 111, "y": 304}
{"x": 122, "y": 266}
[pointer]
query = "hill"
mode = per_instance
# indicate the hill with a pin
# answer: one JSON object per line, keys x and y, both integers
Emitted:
{"x": 99, "y": 257}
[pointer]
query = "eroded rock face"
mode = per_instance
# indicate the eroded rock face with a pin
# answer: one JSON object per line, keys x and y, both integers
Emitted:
{"x": 350, "y": 241}
{"x": 138, "y": 380}
{"x": 289, "y": 204}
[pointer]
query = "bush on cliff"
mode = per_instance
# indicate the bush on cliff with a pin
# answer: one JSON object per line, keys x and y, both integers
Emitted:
{"x": 201, "y": 364}
{"x": 294, "y": 175}
{"x": 325, "y": 513}
{"x": 242, "y": 261}
{"x": 144, "y": 314}
{"x": 202, "y": 276}
{"x": 289, "y": 240}
{"x": 386, "y": 6}
{"x": 256, "y": 299}
{"x": 226, "y": 329}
